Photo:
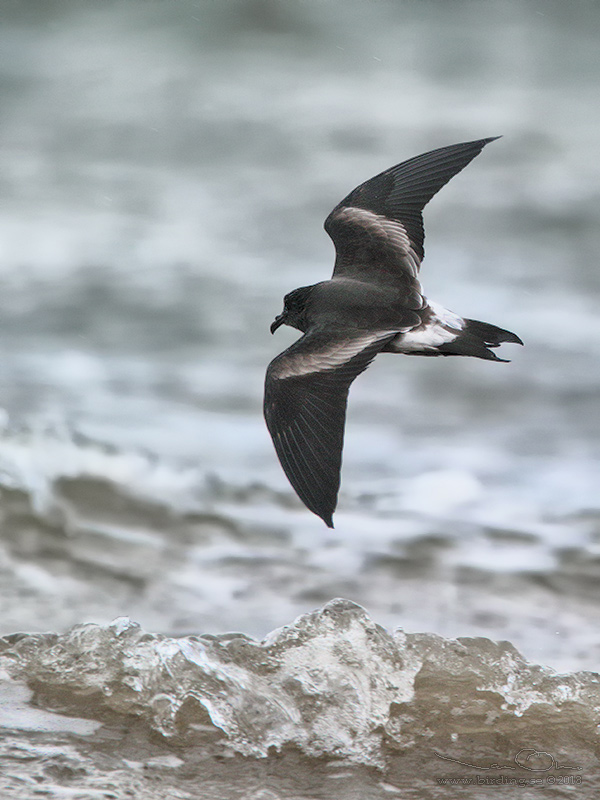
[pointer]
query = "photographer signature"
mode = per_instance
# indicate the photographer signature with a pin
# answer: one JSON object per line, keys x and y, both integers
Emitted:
{"x": 520, "y": 760}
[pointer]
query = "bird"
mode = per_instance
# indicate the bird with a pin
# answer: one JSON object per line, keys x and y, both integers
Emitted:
{"x": 372, "y": 304}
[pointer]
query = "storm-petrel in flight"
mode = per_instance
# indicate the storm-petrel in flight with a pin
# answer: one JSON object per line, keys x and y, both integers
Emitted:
{"x": 372, "y": 304}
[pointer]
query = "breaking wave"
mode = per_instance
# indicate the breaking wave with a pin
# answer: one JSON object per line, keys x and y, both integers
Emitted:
{"x": 333, "y": 683}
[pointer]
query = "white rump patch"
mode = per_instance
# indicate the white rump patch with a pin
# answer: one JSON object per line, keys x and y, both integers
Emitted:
{"x": 329, "y": 357}
{"x": 390, "y": 230}
{"x": 443, "y": 327}
{"x": 445, "y": 316}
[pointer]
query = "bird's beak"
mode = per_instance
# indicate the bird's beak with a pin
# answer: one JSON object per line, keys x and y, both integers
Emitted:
{"x": 277, "y": 322}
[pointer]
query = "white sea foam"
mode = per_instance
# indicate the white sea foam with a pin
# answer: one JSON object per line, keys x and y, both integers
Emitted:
{"x": 332, "y": 683}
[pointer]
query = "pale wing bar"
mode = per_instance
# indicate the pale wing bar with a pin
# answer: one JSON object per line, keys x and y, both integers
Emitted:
{"x": 305, "y": 410}
{"x": 399, "y": 194}
{"x": 390, "y": 234}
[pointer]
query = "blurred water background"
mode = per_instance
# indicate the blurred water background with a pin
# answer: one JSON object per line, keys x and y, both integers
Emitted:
{"x": 166, "y": 170}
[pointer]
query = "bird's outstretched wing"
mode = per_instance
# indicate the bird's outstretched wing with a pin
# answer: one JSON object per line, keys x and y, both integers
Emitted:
{"x": 306, "y": 392}
{"x": 377, "y": 229}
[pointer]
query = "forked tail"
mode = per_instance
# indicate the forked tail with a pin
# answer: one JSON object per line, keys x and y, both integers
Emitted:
{"x": 477, "y": 339}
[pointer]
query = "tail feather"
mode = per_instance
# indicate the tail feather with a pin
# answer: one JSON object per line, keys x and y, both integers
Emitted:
{"x": 476, "y": 339}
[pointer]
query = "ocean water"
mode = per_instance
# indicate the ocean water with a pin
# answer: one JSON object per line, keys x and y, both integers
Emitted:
{"x": 166, "y": 169}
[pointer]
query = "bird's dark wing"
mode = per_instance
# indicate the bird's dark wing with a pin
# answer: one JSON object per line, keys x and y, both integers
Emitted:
{"x": 306, "y": 392}
{"x": 377, "y": 229}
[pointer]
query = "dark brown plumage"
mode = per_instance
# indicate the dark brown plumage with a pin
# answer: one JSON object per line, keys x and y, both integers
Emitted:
{"x": 373, "y": 303}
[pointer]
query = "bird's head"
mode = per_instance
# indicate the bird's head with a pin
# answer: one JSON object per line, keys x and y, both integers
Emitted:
{"x": 294, "y": 310}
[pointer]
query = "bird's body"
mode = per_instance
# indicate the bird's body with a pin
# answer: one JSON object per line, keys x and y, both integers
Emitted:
{"x": 373, "y": 303}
